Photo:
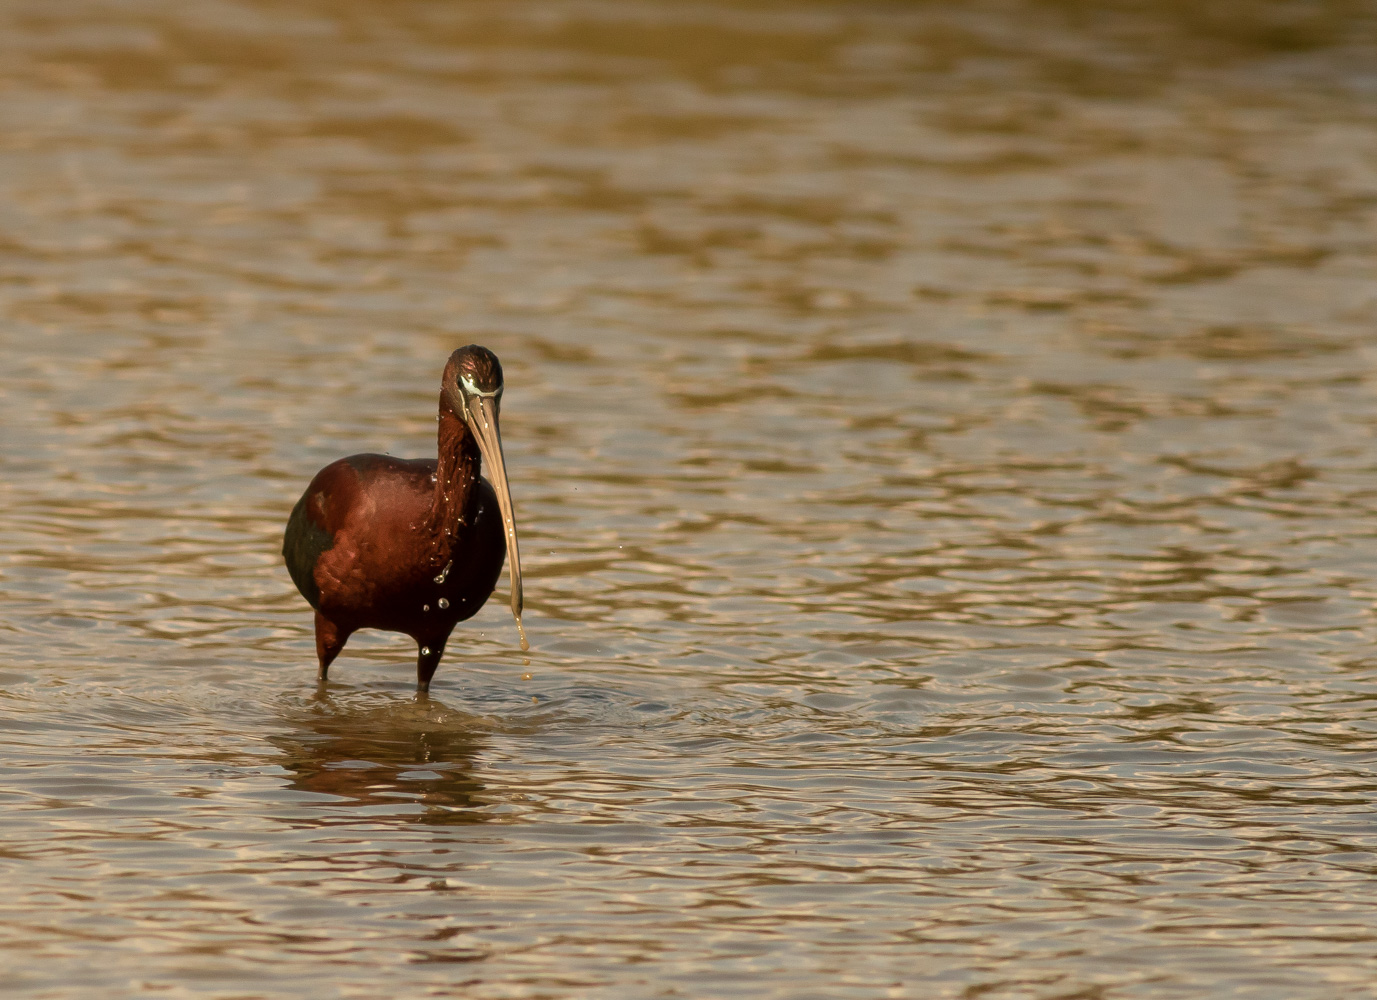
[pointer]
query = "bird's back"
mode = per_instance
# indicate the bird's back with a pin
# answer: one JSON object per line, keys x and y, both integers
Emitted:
{"x": 352, "y": 531}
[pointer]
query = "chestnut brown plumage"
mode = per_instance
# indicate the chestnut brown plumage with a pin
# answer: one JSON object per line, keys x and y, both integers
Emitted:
{"x": 411, "y": 545}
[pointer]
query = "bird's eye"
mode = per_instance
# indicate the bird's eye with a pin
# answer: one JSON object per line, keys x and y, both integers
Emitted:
{"x": 473, "y": 389}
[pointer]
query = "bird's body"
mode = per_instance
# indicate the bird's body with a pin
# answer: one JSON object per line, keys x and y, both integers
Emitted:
{"x": 412, "y": 546}
{"x": 352, "y": 545}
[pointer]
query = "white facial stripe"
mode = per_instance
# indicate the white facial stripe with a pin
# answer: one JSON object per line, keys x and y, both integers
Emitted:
{"x": 473, "y": 390}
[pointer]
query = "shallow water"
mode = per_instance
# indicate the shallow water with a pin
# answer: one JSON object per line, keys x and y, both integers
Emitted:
{"x": 943, "y": 445}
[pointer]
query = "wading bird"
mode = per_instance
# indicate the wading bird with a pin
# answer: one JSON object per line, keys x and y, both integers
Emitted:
{"x": 411, "y": 545}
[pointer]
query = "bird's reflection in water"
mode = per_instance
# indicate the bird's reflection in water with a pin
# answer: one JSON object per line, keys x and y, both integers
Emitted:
{"x": 415, "y": 756}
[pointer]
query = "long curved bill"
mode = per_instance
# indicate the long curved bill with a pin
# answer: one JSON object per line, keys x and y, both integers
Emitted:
{"x": 483, "y": 423}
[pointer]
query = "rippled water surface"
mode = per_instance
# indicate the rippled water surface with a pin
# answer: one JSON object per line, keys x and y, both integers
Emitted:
{"x": 942, "y": 437}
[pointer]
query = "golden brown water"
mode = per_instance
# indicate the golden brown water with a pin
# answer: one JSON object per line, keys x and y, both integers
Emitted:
{"x": 942, "y": 438}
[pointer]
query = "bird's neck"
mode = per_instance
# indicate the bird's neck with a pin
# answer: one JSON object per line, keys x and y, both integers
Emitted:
{"x": 456, "y": 479}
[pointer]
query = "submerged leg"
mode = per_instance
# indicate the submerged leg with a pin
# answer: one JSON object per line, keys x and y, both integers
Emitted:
{"x": 427, "y": 660}
{"x": 330, "y": 639}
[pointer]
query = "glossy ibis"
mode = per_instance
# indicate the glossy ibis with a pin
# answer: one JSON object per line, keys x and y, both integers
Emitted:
{"x": 411, "y": 545}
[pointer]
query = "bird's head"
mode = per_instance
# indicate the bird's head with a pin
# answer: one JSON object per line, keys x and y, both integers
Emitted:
{"x": 472, "y": 384}
{"x": 473, "y": 372}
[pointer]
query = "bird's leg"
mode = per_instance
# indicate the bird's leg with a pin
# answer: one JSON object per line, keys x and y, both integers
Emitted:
{"x": 427, "y": 660}
{"x": 329, "y": 641}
